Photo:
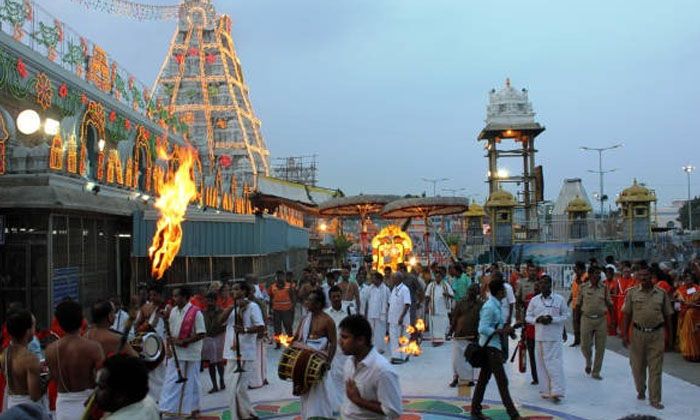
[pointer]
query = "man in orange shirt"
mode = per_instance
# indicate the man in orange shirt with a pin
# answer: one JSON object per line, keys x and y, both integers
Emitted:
{"x": 581, "y": 276}
{"x": 282, "y": 299}
{"x": 515, "y": 276}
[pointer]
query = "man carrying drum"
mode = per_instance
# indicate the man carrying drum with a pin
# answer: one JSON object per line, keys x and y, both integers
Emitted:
{"x": 317, "y": 333}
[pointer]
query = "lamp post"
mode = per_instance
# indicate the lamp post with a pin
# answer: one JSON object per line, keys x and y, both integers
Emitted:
{"x": 434, "y": 181}
{"x": 688, "y": 170}
{"x": 600, "y": 170}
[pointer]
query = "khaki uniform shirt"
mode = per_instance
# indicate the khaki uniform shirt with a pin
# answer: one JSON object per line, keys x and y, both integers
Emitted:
{"x": 647, "y": 308}
{"x": 593, "y": 300}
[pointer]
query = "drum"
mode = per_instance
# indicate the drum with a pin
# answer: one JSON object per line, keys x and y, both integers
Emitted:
{"x": 150, "y": 348}
{"x": 303, "y": 367}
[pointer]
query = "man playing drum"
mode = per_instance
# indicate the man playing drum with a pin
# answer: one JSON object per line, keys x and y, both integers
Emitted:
{"x": 151, "y": 319}
{"x": 317, "y": 333}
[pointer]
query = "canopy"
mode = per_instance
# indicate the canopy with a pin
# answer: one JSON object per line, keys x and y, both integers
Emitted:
{"x": 425, "y": 207}
{"x": 356, "y": 205}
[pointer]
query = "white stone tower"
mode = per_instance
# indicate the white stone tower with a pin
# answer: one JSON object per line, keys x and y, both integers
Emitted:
{"x": 202, "y": 82}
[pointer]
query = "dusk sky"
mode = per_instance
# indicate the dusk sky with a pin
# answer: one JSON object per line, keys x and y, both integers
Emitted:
{"x": 387, "y": 92}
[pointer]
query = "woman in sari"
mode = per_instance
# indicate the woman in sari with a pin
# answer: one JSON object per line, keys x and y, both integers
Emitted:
{"x": 688, "y": 302}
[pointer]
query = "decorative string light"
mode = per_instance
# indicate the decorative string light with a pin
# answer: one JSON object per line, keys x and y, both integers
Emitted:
{"x": 132, "y": 10}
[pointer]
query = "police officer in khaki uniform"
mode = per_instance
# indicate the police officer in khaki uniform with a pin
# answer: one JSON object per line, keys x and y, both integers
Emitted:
{"x": 648, "y": 310}
{"x": 594, "y": 300}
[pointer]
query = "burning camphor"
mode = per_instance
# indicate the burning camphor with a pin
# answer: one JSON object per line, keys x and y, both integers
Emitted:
{"x": 411, "y": 346}
{"x": 284, "y": 339}
{"x": 175, "y": 195}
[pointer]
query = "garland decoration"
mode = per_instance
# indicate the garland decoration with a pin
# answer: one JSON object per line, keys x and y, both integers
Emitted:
{"x": 132, "y": 10}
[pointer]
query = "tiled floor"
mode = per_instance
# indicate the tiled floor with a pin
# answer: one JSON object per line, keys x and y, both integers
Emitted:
{"x": 426, "y": 394}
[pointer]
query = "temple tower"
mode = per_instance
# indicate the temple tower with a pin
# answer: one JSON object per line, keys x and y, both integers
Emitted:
{"x": 509, "y": 117}
{"x": 202, "y": 82}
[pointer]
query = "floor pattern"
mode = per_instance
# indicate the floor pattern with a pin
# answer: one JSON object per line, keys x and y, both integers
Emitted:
{"x": 415, "y": 408}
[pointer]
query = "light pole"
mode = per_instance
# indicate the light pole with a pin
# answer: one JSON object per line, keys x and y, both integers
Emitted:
{"x": 600, "y": 170}
{"x": 434, "y": 181}
{"x": 688, "y": 170}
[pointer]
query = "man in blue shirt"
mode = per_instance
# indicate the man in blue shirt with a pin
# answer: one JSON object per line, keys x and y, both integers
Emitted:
{"x": 491, "y": 322}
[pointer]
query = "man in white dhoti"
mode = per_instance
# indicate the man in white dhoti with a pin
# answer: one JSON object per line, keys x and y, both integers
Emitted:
{"x": 258, "y": 374}
{"x": 243, "y": 323}
{"x": 73, "y": 361}
{"x": 317, "y": 332}
{"x": 150, "y": 319}
{"x": 399, "y": 318}
{"x": 122, "y": 390}
{"x": 187, "y": 330}
{"x": 338, "y": 313}
{"x": 438, "y": 297}
{"x": 376, "y": 310}
{"x": 547, "y": 311}
{"x": 19, "y": 365}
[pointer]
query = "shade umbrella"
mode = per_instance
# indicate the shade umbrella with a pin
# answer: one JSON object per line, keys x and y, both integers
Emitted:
{"x": 423, "y": 208}
{"x": 356, "y": 205}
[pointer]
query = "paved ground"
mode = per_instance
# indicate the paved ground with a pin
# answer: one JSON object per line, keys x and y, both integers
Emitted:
{"x": 674, "y": 364}
{"x": 426, "y": 394}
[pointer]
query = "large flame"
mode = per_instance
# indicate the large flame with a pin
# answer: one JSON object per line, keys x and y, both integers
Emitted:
{"x": 285, "y": 339}
{"x": 175, "y": 195}
{"x": 420, "y": 325}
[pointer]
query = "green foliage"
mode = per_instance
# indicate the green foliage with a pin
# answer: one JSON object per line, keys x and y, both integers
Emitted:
{"x": 695, "y": 210}
{"x": 74, "y": 54}
{"x": 342, "y": 245}
{"x": 46, "y": 35}
{"x": 452, "y": 240}
{"x": 13, "y": 11}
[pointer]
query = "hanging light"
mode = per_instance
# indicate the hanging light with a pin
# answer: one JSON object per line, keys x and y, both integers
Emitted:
{"x": 51, "y": 126}
{"x": 101, "y": 145}
{"x": 28, "y": 121}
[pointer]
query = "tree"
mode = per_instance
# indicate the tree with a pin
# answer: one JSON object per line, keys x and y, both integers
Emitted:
{"x": 342, "y": 245}
{"x": 695, "y": 210}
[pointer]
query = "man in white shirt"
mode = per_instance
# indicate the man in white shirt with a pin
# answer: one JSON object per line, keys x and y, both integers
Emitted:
{"x": 120, "y": 315}
{"x": 122, "y": 390}
{"x": 547, "y": 311}
{"x": 372, "y": 391}
{"x": 376, "y": 310}
{"x": 438, "y": 299}
{"x": 243, "y": 323}
{"x": 399, "y": 318}
{"x": 338, "y": 313}
{"x": 186, "y": 324}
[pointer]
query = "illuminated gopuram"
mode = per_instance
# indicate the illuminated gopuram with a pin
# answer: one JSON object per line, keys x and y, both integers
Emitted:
{"x": 510, "y": 118}
{"x": 201, "y": 82}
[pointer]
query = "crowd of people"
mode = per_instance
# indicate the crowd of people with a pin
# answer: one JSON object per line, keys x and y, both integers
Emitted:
{"x": 359, "y": 324}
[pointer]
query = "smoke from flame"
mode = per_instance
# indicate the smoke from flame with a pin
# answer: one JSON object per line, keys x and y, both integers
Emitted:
{"x": 175, "y": 195}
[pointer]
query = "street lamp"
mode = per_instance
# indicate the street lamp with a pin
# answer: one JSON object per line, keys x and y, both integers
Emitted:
{"x": 434, "y": 181}
{"x": 600, "y": 170}
{"x": 688, "y": 170}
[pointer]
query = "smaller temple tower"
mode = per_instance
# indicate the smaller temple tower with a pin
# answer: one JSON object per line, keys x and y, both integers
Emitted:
{"x": 509, "y": 117}
{"x": 500, "y": 206}
{"x": 577, "y": 211}
{"x": 635, "y": 202}
{"x": 474, "y": 218}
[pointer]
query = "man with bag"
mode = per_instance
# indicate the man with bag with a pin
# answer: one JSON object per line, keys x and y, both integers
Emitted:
{"x": 492, "y": 333}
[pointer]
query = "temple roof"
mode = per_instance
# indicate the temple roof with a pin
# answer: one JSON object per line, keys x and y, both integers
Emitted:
{"x": 501, "y": 198}
{"x": 636, "y": 194}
